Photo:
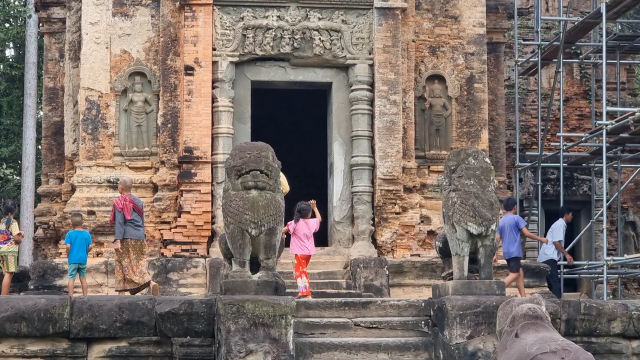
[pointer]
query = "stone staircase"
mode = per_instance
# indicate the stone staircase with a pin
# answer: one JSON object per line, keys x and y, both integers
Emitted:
{"x": 329, "y": 274}
{"x": 362, "y": 329}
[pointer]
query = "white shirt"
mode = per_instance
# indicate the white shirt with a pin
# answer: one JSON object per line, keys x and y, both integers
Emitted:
{"x": 556, "y": 233}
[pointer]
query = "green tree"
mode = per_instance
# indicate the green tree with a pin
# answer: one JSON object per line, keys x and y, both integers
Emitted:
{"x": 12, "y": 40}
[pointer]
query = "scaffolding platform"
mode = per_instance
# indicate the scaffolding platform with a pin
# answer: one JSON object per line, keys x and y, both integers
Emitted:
{"x": 615, "y": 10}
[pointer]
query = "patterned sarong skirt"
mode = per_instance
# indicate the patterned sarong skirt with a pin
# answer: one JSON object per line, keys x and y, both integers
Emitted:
{"x": 131, "y": 267}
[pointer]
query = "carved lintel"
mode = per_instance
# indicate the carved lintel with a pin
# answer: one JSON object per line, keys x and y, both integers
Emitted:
{"x": 358, "y": 4}
{"x": 293, "y": 32}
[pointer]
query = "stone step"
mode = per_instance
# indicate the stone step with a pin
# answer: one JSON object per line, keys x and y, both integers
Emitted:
{"x": 361, "y": 308}
{"x": 359, "y": 348}
{"x": 332, "y": 294}
{"x": 319, "y": 264}
{"x": 321, "y": 284}
{"x": 388, "y": 327}
{"x": 342, "y": 274}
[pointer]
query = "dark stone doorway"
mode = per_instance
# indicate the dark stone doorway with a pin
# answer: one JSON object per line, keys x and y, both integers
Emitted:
{"x": 294, "y": 123}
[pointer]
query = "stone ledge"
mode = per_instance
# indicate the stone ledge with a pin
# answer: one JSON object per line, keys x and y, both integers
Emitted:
{"x": 34, "y": 316}
{"x": 180, "y": 317}
{"x": 112, "y": 317}
{"x": 469, "y": 288}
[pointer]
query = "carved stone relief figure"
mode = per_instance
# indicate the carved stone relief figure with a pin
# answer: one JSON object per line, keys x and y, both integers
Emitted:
{"x": 436, "y": 91}
{"x": 136, "y": 118}
{"x": 293, "y": 31}
{"x": 630, "y": 233}
{"x": 138, "y": 105}
{"x": 438, "y": 109}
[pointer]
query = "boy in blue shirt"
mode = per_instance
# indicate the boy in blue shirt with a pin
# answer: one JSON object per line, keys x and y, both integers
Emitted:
{"x": 509, "y": 229}
{"x": 78, "y": 242}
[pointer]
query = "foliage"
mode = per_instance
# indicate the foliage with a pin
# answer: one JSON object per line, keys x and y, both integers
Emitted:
{"x": 12, "y": 52}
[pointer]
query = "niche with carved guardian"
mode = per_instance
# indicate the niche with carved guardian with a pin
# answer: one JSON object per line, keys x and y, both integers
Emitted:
{"x": 436, "y": 90}
{"x": 137, "y": 93}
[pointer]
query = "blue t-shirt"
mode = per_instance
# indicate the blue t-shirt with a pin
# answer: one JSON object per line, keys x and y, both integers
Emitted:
{"x": 79, "y": 241}
{"x": 509, "y": 229}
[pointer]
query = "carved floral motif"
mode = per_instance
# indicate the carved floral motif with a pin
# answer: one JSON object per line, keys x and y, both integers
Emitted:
{"x": 293, "y": 30}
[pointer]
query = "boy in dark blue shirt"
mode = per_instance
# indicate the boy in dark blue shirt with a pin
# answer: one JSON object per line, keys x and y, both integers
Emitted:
{"x": 509, "y": 229}
{"x": 78, "y": 242}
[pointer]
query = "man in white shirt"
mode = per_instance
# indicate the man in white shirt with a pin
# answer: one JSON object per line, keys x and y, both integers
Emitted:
{"x": 551, "y": 252}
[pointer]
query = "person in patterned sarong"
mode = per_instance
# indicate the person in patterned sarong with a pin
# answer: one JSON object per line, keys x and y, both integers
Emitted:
{"x": 129, "y": 243}
{"x": 9, "y": 260}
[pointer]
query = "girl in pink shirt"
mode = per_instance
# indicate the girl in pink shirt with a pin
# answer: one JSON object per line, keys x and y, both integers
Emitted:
{"x": 302, "y": 245}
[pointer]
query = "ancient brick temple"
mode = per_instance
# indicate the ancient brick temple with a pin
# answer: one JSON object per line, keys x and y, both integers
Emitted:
{"x": 361, "y": 99}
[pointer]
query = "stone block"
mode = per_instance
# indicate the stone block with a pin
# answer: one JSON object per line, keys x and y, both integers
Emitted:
{"x": 150, "y": 348}
{"x": 266, "y": 287}
{"x": 193, "y": 349}
{"x": 594, "y": 318}
{"x": 112, "y": 316}
{"x": 370, "y": 275}
{"x": 480, "y": 348}
{"x": 356, "y": 349}
{"x": 469, "y": 288}
{"x": 42, "y": 348}
{"x": 48, "y": 275}
{"x": 34, "y": 316}
{"x": 383, "y": 327}
{"x": 361, "y": 308}
{"x": 182, "y": 317}
{"x": 258, "y": 326}
{"x": 402, "y": 271}
{"x": 179, "y": 276}
{"x": 605, "y": 347}
{"x": 462, "y": 318}
{"x": 216, "y": 268}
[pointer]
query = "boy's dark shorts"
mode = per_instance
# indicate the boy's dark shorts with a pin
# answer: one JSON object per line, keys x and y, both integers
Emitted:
{"x": 514, "y": 265}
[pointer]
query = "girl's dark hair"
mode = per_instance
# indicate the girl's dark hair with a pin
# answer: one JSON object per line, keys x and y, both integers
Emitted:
{"x": 8, "y": 208}
{"x": 303, "y": 209}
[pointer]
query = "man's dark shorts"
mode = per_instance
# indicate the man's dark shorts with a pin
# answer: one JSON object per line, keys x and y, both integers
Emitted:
{"x": 514, "y": 265}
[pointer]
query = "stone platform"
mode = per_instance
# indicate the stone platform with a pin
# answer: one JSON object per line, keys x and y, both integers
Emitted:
{"x": 452, "y": 327}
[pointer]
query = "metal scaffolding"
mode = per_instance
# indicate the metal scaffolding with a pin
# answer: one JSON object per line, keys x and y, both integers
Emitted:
{"x": 597, "y": 41}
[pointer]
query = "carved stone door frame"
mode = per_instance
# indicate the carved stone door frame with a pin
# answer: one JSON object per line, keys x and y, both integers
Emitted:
{"x": 360, "y": 78}
{"x": 316, "y": 36}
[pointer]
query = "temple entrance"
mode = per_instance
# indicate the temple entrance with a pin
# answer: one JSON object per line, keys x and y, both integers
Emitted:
{"x": 294, "y": 121}
{"x": 582, "y": 250}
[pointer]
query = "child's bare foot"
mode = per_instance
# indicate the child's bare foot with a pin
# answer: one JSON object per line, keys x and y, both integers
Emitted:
{"x": 155, "y": 289}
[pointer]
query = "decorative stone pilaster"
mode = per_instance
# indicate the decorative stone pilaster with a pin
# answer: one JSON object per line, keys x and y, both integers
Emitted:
{"x": 52, "y": 27}
{"x": 224, "y": 72}
{"x": 360, "y": 79}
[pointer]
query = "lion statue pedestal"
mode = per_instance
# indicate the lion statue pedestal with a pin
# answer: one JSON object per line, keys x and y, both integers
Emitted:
{"x": 253, "y": 211}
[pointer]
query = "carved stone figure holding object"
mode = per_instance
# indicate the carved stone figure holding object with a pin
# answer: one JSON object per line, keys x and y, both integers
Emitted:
{"x": 525, "y": 332}
{"x": 253, "y": 209}
{"x": 136, "y": 106}
{"x": 470, "y": 210}
{"x": 439, "y": 109}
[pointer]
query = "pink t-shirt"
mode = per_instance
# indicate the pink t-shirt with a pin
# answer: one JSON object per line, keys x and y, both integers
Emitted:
{"x": 302, "y": 236}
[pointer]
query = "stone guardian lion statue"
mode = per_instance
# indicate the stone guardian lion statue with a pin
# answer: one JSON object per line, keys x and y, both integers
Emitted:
{"x": 253, "y": 211}
{"x": 470, "y": 210}
{"x": 525, "y": 332}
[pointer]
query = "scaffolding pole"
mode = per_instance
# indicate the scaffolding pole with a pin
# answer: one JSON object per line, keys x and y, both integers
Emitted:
{"x": 610, "y": 143}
